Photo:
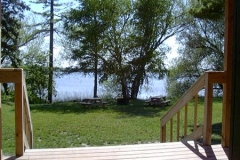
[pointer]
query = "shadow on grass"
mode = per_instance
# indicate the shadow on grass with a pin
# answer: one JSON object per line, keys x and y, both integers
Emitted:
{"x": 217, "y": 130}
{"x": 134, "y": 108}
{"x": 61, "y": 107}
{"x": 137, "y": 108}
{"x": 216, "y": 133}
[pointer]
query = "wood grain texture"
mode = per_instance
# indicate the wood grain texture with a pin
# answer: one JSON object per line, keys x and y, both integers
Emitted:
{"x": 175, "y": 150}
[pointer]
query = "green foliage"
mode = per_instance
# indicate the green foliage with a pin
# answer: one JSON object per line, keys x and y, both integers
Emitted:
{"x": 122, "y": 39}
{"x": 180, "y": 77}
{"x": 208, "y": 9}
{"x": 111, "y": 89}
{"x": 9, "y": 96}
{"x": 201, "y": 49}
{"x": 35, "y": 65}
{"x": 12, "y": 15}
{"x": 36, "y": 78}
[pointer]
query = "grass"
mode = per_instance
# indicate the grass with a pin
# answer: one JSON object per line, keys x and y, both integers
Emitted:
{"x": 68, "y": 124}
{"x": 216, "y": 120}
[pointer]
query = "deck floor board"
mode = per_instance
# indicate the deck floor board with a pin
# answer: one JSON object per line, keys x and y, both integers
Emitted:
{"x": 164, "y": 151}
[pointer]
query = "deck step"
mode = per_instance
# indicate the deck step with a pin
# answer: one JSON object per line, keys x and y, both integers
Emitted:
{"x": 175, "y": 150}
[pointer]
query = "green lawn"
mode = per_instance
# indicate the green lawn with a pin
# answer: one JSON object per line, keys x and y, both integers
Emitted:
{"x": 68, "y": 124}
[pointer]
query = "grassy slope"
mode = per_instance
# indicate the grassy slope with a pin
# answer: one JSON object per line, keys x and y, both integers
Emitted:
{"x": 70, "y": 125}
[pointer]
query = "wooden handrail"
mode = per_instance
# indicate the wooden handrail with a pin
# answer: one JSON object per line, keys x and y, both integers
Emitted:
{"x": 23, "y": 122}
{"x": 206, "y": 80}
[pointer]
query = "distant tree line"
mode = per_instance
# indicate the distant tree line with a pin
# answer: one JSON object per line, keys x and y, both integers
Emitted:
{"x": 119, "y": 42}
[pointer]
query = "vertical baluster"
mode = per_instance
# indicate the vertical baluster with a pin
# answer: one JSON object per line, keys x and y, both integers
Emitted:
{"x": 171, "y": 129}
{"x": 185, "y": 120}
{"x": 178, "y": 125}
{"x": 195, "y": 112}
{"x": 163, "y": 134}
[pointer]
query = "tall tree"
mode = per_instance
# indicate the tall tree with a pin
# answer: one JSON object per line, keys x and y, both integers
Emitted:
{"x": 154, "y": 23}
{"x": 87, "y": 24}
{"x": 130, "y": 42}
{"x": 202, "y": 49}
{"x": 12, "y": 15}
{"x": 50, "y": 80}
{"x": 49, "y": 15}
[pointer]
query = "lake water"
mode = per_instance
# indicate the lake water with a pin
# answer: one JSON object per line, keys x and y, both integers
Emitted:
{"x": 78, "y": 86}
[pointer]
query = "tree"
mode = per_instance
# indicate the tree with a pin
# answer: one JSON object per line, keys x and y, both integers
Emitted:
{"x": 49, "y": 15}
{"x": 202, "y": 50}
{"x": 131, "y": 42}
{"x": 208, "y": 9}
{"x": 35, "y": 65}
{"x": 154, "y": 23}
{"x": 137, "y": 44}
{"x": 12, "y": 14}
{"x": 87, "y": 24}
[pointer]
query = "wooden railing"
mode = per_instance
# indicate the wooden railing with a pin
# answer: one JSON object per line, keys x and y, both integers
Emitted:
{"x": 23, "y": 123}
{"x": 205, "y": 81}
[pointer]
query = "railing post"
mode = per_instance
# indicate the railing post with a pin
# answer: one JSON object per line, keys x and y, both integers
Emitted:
{"x": 163, "y": 134}
{"x": 185, "y": 120}
{"x": 19, "y": 119}
{"x": 178, "y": 125}
{"x": 228, "y": 67}
{"x": 171, "y": 130}
{"x": 207, "y": 129}
{"x": 195, "y": 112}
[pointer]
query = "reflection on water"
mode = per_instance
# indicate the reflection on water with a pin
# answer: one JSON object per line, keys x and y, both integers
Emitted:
{"x": 80, "y": 86}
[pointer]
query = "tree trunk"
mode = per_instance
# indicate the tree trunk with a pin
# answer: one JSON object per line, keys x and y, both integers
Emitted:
{"x": 5, "y": 86}
{"x": 95, "y": 76}
{"x": 125, "y": 92}
{"x": 135, "y": 88}
{"x": 138, "y": 80}
{"x": 50, "y": 80}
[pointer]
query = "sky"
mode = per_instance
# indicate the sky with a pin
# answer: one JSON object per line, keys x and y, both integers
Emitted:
{"x": 171, "y": 42}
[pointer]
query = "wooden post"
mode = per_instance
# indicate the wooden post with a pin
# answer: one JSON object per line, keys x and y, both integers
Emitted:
{"x": 19, "y": 119}
{"x": 163, "y": 134}
{"x": 185, "y": 120}
{"x": 228, "y": 68}
{"x": 171, "y": 130}
{"x": 207, "y": 127}
{"x": 195, "y": 112}
{"x": 178, "y": 125}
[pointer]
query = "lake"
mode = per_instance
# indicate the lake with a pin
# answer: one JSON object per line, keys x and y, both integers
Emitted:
{"x": 79, "y": 86}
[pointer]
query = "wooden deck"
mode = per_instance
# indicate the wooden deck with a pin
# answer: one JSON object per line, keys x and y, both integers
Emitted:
{"x": 163, "y": 151}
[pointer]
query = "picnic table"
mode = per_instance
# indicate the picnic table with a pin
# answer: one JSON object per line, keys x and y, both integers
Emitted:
{"x": 158, "y": 100}
{"x": 92, "y": 102}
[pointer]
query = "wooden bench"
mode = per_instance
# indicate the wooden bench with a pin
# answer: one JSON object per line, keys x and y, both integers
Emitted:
{"x": 166, "y": 102}
{"x": 86, "y": 104}
{"x": 158, "y": 101}
{"x": 147, "y": 103}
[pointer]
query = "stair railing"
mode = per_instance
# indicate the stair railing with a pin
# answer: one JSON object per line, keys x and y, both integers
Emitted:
{"x": 205, "y": 81}
{"x": 23, "y": 122}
